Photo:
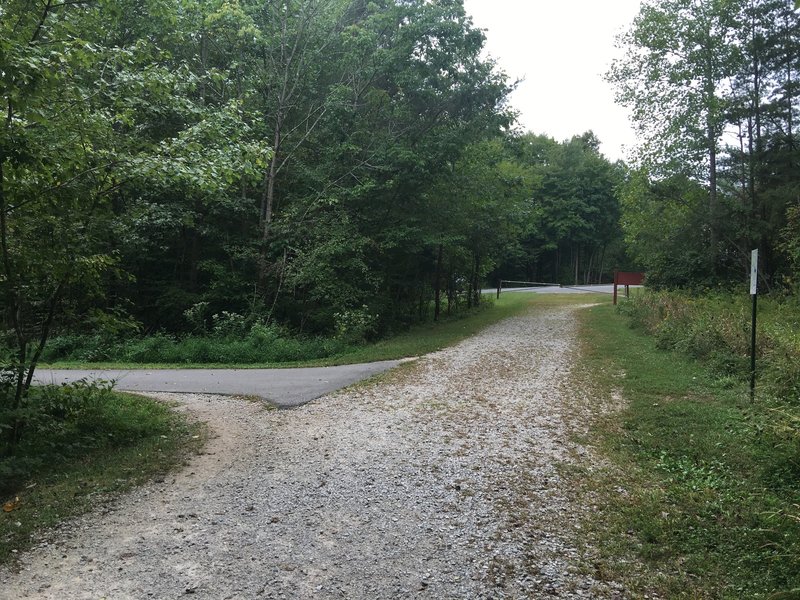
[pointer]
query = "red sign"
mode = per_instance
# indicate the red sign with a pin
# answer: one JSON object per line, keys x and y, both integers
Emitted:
{"x": 626, "y": 279}
{"x": 623, "y": 278}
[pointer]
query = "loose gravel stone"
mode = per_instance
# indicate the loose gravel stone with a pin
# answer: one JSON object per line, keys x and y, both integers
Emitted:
{"x": 440, "y": 480}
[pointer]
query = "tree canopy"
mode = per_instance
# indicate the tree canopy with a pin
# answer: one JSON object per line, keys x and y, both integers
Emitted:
{"x": 275, "y": 158}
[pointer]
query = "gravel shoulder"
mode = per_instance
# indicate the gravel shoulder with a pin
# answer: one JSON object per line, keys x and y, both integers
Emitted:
{"x": 442, "y": 479}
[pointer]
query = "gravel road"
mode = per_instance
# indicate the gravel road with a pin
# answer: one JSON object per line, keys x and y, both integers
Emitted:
{"x": 440, "y": 480}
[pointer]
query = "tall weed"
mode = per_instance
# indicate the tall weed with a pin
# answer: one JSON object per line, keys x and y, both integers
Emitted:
{"x": 716, "y": 330}
{"x": 60, "y": 423}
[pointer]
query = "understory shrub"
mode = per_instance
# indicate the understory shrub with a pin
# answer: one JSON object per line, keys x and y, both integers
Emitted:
{"x": 230, "y": 341}
{"x": 715, "y": 328}
{"x": 62, "y": 423}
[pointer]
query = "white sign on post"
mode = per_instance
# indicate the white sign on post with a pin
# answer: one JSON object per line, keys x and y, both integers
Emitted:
{"x": 754, "y": 272}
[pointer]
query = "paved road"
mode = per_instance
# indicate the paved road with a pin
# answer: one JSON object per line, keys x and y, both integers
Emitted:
{"x": 555, "y": 289}
{"x": 284, "y": 388}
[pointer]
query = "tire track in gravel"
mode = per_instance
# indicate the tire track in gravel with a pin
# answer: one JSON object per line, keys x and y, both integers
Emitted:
{"x": 439, "y": 480}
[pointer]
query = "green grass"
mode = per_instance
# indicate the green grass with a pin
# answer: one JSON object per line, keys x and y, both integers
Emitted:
{"x": 704, "y": 501}
{"x": 417, "y": 341}
{"x": 66, "y": 480}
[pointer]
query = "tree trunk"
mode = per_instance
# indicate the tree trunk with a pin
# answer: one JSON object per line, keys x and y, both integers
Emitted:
{"x": 267, "y": 203}
{"x": 751, "y": 180}
{"x": 475, "y": 283}
{"x": 587, "y": 274}
{"x": 268, "y": 194}
{"x": 451, "y": 292}
{"x": 194, "y": 258}
{"x": 558, "y": 265}
{"x": 712, "y": 194}
{"x": 711, "y": 132}
{"x": 602, "y": 264}
{"x": 14, "y": 310}
{"x": 755, "y": 146}
{"x": 469, "y": 285}
{"x": 438, "y": 285}
{"x": 279, "y": 288}
{"x": 743, "y": 170}
{"x": 789, "y": 94}
{"x": 576, "y": 251}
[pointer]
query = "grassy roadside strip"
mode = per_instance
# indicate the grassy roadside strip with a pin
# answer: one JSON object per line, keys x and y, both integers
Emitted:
{"x": 73, "y": 481}
{"x": 419, "y": 340}
{"x": 701, "y": 498}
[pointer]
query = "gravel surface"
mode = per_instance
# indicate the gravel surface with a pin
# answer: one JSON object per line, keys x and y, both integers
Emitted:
{"x": 440, "y": 480}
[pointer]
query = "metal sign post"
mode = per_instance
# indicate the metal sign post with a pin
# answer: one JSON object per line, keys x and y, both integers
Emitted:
{"x": 754, "y": 296}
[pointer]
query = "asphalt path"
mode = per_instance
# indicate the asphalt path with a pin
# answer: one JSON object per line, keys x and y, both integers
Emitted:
{"x": 284, "y": 388}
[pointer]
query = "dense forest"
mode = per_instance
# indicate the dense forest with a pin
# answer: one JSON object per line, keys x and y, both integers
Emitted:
{"x": 347, "y": 168}
{"x": 322, "y": 164}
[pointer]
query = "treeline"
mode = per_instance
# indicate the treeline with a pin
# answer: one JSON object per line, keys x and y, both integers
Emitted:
{"x": 713, "y": 89}
{"x": 165, "y": 161}
{"x": 569, "y": 231}
{"x": 332, "y": 166}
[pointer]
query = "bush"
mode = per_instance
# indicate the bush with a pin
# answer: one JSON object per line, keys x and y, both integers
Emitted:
{"x": 228, "y": 323}
{"x": 63, "y": 346}
{"x": 714, "y": 328}
{"x": 60, "y": 423}
{"x": 158, "y": 347}
{"x": 196, "y": 316}
{"x": 82, "y": 445}
{"x": 231, "y": 340}
{"x": 355, "y": 325}
{"x": 81, "y": 347}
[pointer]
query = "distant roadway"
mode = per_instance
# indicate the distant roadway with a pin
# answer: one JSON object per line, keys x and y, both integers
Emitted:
{"x": 555, "y": 289}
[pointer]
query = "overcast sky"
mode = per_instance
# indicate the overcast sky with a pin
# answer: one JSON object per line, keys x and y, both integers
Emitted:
{"x": 561, "y": 49}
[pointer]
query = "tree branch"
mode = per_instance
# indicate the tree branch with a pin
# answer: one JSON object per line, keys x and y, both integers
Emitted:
{"x": 45, "y": 13}
{"x": 4, "y": 210}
